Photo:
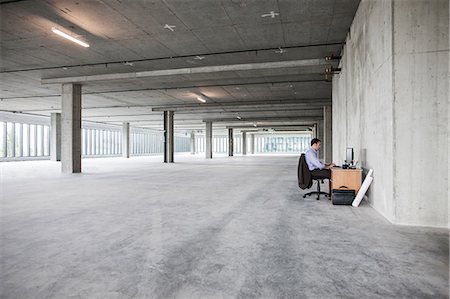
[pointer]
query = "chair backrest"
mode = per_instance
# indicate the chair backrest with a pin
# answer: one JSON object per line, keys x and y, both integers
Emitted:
{"x": 303, "y": 173}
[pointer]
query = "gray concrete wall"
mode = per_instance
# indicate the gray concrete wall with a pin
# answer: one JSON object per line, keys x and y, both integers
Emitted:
{"x": 390, "y": 103}
{"x": 420, "y": 111}
{"x": 363, "y": 100}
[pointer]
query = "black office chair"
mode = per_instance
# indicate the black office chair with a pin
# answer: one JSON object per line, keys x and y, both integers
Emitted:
{"x": 306, "y": 179}
{"x": 318, "y": 192}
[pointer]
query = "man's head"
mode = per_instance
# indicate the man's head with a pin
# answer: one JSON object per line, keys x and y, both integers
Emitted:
{"x": 315, "y": 143}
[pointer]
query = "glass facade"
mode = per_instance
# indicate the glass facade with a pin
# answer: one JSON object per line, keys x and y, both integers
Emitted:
{"x": 28, "y": 140}
{"x": 147, "y": 142}
{"x": 270, "y": 143}
{"x": 24, "y": 140}
{"x": 282, "y": 144}
{"x": 101, "y": 142}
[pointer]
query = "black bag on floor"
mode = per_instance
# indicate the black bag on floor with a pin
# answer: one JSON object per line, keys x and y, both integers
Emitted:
{"x": 342, "y": 197}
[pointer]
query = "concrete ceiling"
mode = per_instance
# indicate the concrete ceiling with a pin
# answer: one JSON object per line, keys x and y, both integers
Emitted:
{"x": 130, "y": 37}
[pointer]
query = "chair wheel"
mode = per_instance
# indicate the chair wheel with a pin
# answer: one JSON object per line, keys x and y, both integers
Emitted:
{"x": 304, "y": 196}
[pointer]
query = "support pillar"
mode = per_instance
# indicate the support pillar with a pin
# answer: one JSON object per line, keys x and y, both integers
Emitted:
{"x": 244, "y": 143}
{"x": 71, "y": 128}
{"x": 320, "y": 135}
{"x": 126, "y": 140}
{"x": 168, "y": 137}
{"x": 252, "y": 142}
{"x": 208, "y": 140}
{"x": 230, "y": 142}
{"x": 55, "y": 137}
{"x": 192, "y": 143}
{"x": 327, "y": 138}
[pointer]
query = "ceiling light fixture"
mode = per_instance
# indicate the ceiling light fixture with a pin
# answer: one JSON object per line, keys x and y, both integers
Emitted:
{"x": 170, "y": 27}
{"x": 271, "y": 14}
{"x": 69, "y": 37}
{"x": 238, "y": 117}
{"x": 201, "y": 99}
{"x": 280, "y": 51}
{"x": 199, "y": 57}
{"x": 254, "y": 124}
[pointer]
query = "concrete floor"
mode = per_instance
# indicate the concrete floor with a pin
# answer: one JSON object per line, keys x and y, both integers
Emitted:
{"x": 225, "y": 228}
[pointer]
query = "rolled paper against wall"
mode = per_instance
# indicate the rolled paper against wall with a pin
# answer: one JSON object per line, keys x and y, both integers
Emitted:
{"x": 362, "y": 191}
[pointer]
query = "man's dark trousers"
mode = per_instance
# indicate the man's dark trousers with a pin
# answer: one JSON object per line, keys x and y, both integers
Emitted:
{"x": 321, "y": 173}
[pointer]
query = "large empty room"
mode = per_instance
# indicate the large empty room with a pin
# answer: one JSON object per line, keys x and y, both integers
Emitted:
{"x": 224, "y": 149}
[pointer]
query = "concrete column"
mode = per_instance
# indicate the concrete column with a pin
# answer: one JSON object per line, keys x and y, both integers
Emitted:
{"x": 252, "y": 142}
{"x": 327, "y": 143}
{"x": 230, "y": 142}
{"x": 71, "y": 128}
{"x": 208, "y": 140}
{"x": 320, "y": 135}
{"x": 55, "y": 137}
{"x": 126, "y": 140}
{"x": 192, "y": 143}
{"x": 244, "y": 143}
{"x": 168, "y": 137}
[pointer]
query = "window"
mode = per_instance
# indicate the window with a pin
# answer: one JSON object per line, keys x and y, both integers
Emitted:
{"x": 18, "y": 139}
{"x": 46, "y": 141}
{"x": 2, "y": 139}
{"x": 39, "y": 140}
{"x": 10, "y": 147}
{"x": 32, "y": 140}
{"x": 25, "y": 140}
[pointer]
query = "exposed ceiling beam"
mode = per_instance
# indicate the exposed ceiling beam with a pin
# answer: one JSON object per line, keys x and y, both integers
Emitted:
{"x": 313, "y": 103}
{"x": 306, "y": 102}
{"x": 229, "y": 113}
{"x": 257, "y": 119}
{"x": 281, "y": 127}
{"x": 237, "y": 84}
{"x": 121, "y": 62}
{"x": 190, "y": 71}
{"x": 279, "y": 109}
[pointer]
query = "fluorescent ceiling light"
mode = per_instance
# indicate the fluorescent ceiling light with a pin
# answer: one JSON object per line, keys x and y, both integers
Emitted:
{"x": 201, "y": 99}
{"x": 238, "y": 117}
{"x": 69, "y": 37}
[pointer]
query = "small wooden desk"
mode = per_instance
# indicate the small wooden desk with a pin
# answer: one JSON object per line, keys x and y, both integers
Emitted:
{"x": 341, "y": 178}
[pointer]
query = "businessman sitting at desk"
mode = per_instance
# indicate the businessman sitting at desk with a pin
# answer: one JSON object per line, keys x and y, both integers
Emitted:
{"x": 317, "y": 168}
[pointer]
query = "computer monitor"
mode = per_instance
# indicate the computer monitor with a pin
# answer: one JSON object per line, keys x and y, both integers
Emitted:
{"x": 349, "y": 156}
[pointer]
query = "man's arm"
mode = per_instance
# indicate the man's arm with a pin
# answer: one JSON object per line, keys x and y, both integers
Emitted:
{"x": 329, "y": 165}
